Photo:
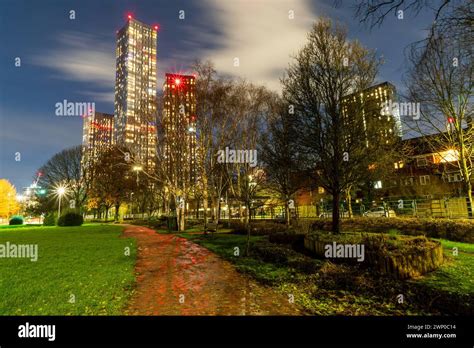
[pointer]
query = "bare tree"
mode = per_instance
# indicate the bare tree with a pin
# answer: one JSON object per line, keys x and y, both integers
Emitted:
{"x": 337, "y": 149}
{"x": 452, "y": 16}
{"x": 441, "y": 80}
{"x": 279, "y": 155}
{"x": 215, "y": 128}
{"x": 66, "y": 168}
{"x": 250, "y": 105}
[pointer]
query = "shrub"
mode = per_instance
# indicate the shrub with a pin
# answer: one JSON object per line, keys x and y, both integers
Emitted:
{"x": 284, "y": 256}
{"x": 261, "y": 228}
{"x": 455, "y": 230}
{"x": 286, "y": 238}
{"x": 193, "y": 222}
{"x": 70, "y": 219}
{"x": 304, "y": 226}
{"x": 16, "y": 220}
{"x": 49, "y": 219}
{"x": 271, "y": 253}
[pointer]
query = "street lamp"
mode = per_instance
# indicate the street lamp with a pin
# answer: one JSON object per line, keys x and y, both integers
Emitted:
{"x": 60, "y": 192}
{"x": 137, "y": 169}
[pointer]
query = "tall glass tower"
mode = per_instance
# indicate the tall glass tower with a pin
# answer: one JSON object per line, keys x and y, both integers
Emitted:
{"x": 135, "y": 91}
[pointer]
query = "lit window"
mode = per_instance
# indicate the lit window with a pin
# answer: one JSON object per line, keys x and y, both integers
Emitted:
{"x": 378, "y": 184}
{"x": 421, "y": 162}
{"x": 449, "y": 156}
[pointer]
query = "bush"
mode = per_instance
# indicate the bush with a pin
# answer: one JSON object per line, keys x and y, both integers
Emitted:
{"x": 261, "y": 228}
{"x": 71, "y": 219}
{"x": 193, "y": 222}
{"x": 271, "y": 253}
{"x": 16, "y": 220}
{"x": 286, "y": 238}
{"x": 284, "y": 256}
{"x": 455, "y": 230}
{"x": 49, "y": 219}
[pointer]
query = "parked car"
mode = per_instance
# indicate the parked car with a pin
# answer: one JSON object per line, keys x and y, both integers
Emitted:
{"x": 380, "y": 212}
{"x": 328, "y": 214}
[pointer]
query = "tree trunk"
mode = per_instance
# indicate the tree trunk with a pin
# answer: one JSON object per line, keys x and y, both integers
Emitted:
{"x": 182, "y": 219}
{"x": 247, "y": 250}
{"x": 117, "y": 206}
{"x": 205, "y": 202}
{"x": 336, "y": 226}
{"x": 466, "y": 177}
{"x": 287, "y": 213}
{"x": 469, "y": 196}
{"x": 218, "y": 213}
{"x": 349, "y": 202}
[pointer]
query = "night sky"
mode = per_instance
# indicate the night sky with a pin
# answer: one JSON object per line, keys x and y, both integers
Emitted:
{"x": 75, "y": 59}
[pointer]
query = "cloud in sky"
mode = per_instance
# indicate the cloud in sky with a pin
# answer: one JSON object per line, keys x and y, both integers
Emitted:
{"x": 260, "y": 34}
{"x": 83, "y": 57}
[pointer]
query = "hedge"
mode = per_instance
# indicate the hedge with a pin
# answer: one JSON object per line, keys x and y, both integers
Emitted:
{"x": 455, "y": 230}
{"x": 256, "y": 228}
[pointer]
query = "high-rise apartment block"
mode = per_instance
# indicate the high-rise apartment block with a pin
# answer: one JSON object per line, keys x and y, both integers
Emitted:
{"x": 179, "y": 128}
{"x": 374, "y": 106}
{"x": 135, "y": 91}
{"x": 97, "y": 136}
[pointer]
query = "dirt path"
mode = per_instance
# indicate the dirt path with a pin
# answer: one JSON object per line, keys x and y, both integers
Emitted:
{"x": 178, "y": 277}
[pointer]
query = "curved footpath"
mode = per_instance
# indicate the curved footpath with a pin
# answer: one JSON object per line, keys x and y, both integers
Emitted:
{"x": 179, "y": 277}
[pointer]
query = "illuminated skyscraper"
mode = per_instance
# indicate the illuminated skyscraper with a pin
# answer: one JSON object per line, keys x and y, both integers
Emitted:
{"x": 373, "y": 105}
{"x": 135, "y": 91}
{"x": 97, "y": 136}
{"x": 179, "y": 127}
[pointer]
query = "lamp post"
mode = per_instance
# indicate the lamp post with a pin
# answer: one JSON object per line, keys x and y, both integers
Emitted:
{"x": 60, "y": 192}
{"x": 137, "y": 169}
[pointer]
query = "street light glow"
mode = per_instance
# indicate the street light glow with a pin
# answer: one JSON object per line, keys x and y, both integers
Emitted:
{"x": 137, "y": 168}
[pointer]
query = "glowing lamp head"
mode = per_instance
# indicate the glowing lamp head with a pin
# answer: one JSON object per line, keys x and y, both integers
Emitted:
{"x": 61, "y": 190}
{"x": 450, "y": 120}
{"x": 177, "y": 81}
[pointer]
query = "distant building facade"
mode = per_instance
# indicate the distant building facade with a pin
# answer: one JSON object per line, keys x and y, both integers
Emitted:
{"x": 375, "y": 106}
{"x": 97, "y": 137}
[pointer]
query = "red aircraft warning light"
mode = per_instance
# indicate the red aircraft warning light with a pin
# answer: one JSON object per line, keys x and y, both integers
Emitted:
{"x": 155, "y": 27}
{"x": 129, "y": 16}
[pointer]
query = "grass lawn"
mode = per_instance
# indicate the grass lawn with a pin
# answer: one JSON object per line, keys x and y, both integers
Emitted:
{"x": 457, "y": 274}
{"x": 86, "y": 262}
